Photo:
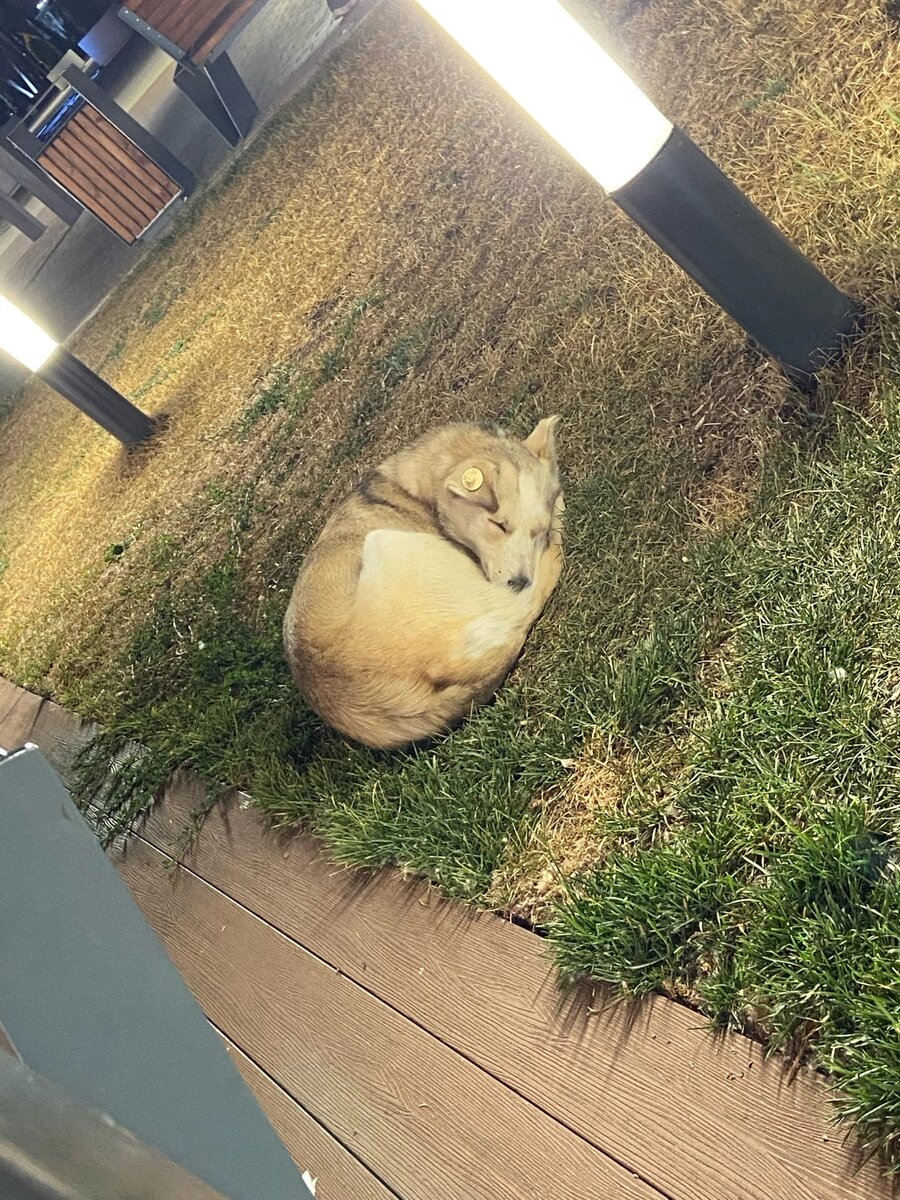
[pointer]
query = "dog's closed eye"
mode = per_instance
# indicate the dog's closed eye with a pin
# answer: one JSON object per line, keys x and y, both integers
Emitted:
{"x": 501, "y": 525}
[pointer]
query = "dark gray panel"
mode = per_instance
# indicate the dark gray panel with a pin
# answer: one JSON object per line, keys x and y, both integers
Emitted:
{"x": 51, "y": 1146}
{"x": 92, "y": 1001}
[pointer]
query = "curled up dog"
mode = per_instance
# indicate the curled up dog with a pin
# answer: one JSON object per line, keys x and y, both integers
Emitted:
{"x": 416, "y": 599}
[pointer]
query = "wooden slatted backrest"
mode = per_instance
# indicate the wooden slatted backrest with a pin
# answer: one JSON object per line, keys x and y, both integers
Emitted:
{"x": 108, "y": 174}
{"x": 195, "y": 26}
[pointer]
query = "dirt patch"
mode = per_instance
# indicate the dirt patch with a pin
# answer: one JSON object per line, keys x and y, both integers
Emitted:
{"x": 564, "y": 841}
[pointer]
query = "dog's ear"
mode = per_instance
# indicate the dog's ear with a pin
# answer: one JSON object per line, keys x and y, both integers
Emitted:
{"x": 542, "y": 439}
{"x": 474, "y": 481}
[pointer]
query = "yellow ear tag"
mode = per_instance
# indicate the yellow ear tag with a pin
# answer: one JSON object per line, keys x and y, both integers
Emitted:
{"x": 472, "y": 479}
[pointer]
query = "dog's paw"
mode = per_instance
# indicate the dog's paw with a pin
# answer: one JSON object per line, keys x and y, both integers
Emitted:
{"x": 552, "y": 563}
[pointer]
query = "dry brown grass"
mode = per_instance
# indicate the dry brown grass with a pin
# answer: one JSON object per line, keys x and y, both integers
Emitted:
{"x": 565, "y": 841}
{"x": 402, "y": 169}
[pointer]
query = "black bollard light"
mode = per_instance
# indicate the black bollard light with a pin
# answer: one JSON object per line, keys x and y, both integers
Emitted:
{"x": 551, "y": 65}
{"x": 25, "y": 341}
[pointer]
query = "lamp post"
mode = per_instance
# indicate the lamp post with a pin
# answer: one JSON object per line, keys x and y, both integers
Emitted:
{"x": 556, "y": 71}
{"x": 25, "y": 341}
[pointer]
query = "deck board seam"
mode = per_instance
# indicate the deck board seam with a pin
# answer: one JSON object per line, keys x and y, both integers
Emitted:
{"x": 226, "y": 1037}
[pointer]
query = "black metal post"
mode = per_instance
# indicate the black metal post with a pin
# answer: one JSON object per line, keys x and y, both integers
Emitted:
{"x": 102, "y": 403}
{"x": 710, "y": 228}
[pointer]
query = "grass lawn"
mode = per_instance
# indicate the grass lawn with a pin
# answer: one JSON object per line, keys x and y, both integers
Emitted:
{"x": 691, "y": 780}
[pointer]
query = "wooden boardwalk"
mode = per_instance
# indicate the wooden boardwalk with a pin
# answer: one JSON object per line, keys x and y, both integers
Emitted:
{"x": 407, "y": 1047}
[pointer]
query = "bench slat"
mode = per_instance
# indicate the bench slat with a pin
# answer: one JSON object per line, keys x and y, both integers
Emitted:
{"x": 196, "y": 26}
{"x": 108, "y": 174}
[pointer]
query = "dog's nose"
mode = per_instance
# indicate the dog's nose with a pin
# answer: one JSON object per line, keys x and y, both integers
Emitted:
{"x": 518, "y": 583}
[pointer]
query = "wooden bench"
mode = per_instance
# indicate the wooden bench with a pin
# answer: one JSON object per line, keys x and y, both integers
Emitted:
{"x": 108, "y": 163}
{"x": 194, "y": 33}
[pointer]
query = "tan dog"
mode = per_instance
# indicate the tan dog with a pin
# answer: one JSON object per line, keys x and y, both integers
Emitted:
{"x": 415, "y": 602}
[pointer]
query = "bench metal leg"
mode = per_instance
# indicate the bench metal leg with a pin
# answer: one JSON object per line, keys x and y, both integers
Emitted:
{"x": 198, "y": 88}
{"x": 221, "y": 95}
{"x": 21, "y": 218}
{"x": 18, "y": 163}
{"x": 232, "y": 92}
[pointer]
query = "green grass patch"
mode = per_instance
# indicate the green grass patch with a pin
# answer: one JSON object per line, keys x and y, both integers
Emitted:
{"x": 764, "y": 883}
{"x": 290, "y": 386}
{"x": 284, "y": 389}
{"x": 771, "y": 91}
{"x": 385, "y": 374}
{"x": 116, "y": 349}
{"x": 161, "y": 372}
{"x": 336, "y": 358}
{"x": 158, "y": 307}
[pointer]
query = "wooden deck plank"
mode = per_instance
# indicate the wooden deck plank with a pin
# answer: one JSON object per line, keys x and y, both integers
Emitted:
{"x": 60, "y": 736}
{"x": 656, "y": 1092}
{"x": 654, "y": 1089}
{"x": 9, "y": 695}
{"x": 425, "y": 1120}
{"x": 18, "y": 712}
{"x": 340, "y": 1176}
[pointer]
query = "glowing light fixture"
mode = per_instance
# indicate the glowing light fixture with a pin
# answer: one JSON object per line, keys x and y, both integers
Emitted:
{"x": 24, "y": 340}
{"x": 558, "y": 73}
{"x": 550, "y": 64}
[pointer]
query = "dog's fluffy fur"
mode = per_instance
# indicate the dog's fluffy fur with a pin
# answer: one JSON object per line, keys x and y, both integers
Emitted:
{"x": 417, "y": 597}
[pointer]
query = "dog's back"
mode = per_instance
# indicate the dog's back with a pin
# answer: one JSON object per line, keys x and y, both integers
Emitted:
{"x": 393, "y": 631}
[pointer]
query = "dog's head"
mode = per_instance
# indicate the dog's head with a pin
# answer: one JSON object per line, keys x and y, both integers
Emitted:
{"x": 499, "y": 503}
